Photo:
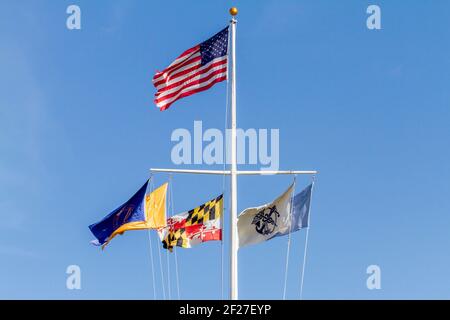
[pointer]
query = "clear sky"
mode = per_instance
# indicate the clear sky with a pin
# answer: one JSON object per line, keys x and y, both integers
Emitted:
{"x": 369, "y": 109}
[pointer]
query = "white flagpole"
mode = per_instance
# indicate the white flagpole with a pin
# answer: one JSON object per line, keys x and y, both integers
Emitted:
{"x": 233, "y": 172}
{"x": 233, "y": 211}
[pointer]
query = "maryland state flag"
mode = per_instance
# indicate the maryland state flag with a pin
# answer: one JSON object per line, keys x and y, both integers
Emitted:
{"x": 140, "y": 212}
{"x": 198, "y": 225}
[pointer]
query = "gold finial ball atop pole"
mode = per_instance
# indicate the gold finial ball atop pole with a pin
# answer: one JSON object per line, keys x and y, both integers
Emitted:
{"x": 233, "y": 11}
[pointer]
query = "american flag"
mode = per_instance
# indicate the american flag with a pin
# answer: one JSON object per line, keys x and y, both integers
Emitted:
{"x": 195, "y": 70}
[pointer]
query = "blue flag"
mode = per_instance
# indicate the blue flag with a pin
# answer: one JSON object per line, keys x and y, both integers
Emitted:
{"x": 301, "y": 204}
{"x": 121, "y": 219}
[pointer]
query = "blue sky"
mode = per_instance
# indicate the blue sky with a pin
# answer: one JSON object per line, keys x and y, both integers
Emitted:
{"x": 369, "y": 109}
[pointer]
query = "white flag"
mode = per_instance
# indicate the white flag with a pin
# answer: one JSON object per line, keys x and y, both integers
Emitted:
{"x": 260, "y": 224}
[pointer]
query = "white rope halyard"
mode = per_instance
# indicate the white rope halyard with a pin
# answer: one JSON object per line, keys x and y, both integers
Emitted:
{"x": 172, "y": 210}
{"x": 151, "y": 250}
{"x": 160, "y": 259}
{"x": 304, "y": 264}
{"x": 151, "y": 187}
{"x": 167, "y": 251}
{"x": 176, "y": 274}
{"x": 306, "y": 241}
{"x": 169, "y": 296}
{"x": 152, "y": 265}
{"x": 286, "y": 267}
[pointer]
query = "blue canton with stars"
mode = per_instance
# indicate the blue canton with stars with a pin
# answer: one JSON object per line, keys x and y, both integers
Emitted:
{"x": 214, "y": 47}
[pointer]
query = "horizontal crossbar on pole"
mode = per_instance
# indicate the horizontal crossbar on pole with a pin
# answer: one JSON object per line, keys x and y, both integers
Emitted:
{"x": 228, "y": 172}
{"x": 219, "y": 172}
{"x": 272, "y": 172}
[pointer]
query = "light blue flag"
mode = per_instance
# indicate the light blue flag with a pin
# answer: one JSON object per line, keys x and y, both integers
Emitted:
{"x": 301, "y": 204}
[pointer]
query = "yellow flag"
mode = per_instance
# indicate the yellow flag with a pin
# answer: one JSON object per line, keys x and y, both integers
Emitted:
{"x": 155, "y": 214}
{"x": 155, "y": 208}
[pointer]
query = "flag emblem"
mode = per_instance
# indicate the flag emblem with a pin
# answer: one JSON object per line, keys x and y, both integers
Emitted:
{"x": 195, "y": 70}
{"x": 265, "y": 220}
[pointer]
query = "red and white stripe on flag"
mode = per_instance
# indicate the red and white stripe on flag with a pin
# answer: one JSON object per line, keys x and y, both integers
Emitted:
{"x": 195, "y": 70}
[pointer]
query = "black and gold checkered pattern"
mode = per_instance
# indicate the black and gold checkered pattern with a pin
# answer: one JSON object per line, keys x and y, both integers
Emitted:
{"x": 211, "y": 210}
{"x": 175, "y": 238}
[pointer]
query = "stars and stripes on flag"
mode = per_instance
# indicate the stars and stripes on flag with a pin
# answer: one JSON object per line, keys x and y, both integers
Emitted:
{"x": 198, "y": 225}
{"x": 195, "y": 70}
